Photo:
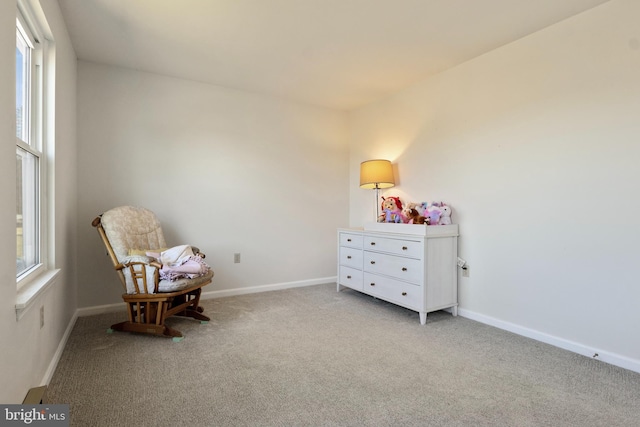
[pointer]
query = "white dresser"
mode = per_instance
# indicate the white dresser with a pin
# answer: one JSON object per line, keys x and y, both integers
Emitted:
{"x": 413, "y": 266}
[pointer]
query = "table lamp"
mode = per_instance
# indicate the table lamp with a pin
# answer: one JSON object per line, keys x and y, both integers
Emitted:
{"x": 376, "y": 174}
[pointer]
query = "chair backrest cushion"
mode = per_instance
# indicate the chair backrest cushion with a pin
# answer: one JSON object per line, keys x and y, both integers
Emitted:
{"x": 131, "y": 228}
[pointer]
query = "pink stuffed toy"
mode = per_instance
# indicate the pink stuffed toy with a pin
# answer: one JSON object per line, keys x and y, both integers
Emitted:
{"x": 434, "y": 215}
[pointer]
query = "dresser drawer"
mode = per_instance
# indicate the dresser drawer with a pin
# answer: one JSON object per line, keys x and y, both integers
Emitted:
{"x": 395, "y": 291}
{"x": 402, "y": 247}
{"x": 411, "y": 270}
{"x": 351, "y": 240}
{"x": 351, "y": 257}
{"x": 350, "y": 277}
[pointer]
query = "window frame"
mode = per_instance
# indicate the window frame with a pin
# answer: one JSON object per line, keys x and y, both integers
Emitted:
{"x": 36, "y": 139}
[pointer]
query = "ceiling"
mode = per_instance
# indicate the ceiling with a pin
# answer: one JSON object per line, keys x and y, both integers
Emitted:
{"x": 340, "y": 54}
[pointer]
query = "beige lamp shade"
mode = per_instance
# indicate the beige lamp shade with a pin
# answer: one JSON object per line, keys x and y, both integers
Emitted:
{"x": 376, "y": 174}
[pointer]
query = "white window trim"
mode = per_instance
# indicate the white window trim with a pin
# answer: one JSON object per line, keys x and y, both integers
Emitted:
{"x": 37, "y": 280}
{"x": 28, "y": 294}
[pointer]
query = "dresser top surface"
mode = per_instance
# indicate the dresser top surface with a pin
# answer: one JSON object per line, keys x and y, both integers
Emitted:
{"x": 406, "y": 229}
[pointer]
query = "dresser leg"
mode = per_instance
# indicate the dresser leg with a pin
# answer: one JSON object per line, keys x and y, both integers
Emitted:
{"x": 454, "y": 310}
{"x": 423, "y": 318}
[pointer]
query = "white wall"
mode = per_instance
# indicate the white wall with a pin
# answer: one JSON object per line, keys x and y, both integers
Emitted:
{"x": 28, "y": 350}
{"x": 536, "y": 147}
{"x": 225, "y": 170}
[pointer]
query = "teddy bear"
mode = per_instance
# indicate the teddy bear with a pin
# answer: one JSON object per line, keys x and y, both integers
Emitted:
{"x": 392, "y": 210}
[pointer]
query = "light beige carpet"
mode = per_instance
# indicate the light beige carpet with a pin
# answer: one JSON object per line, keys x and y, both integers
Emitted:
{"x": 314, "y": 357}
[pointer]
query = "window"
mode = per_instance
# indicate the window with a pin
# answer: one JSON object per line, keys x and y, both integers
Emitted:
{"x": 30, "y": 158}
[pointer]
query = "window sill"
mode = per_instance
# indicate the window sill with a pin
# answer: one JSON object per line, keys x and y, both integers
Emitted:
{"x": 28, "y": 293}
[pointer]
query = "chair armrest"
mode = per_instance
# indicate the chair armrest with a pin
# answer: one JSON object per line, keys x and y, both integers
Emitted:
{"x": 140, "y": 274}
{"x": 138, "y": 258}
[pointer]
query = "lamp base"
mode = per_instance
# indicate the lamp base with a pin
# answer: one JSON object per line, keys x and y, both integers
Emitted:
{"x": 377, "y": 204}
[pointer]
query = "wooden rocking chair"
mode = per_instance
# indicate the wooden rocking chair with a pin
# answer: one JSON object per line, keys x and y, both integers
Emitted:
{"x": 128, "y": 233}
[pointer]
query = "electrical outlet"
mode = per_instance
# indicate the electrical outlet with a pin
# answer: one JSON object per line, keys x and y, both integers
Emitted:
{"x": 236, "y": 258}
{"x": 465, "y": 271}
{"x": 41, "y": 317}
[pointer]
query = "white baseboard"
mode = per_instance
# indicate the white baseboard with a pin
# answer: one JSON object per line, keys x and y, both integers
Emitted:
{"x": 598, "y": 354}
{"x": 100, "y": 309}
{"x": 58, "y": 354}
{"x": 266, "y": 288}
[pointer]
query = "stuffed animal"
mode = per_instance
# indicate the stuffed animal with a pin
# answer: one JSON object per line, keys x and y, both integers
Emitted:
{"x": 391, "y": 216}
{"x": 392, "y": 208}
{"x": 411, "y": 214}
{"x": 410, "y": 205}
{"x": 445, "y": 215}
{"x": 434, "y": 215}
{"x": 414, "y": 217}
{"x": 406, "y": 210}
{"x": 422, "y": 208}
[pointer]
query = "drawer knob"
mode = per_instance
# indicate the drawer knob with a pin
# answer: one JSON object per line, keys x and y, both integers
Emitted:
{"x": 373, "y": 262}
{"x": 348, "y": 277}
{"x": 372, "y": 284}
{"x": 373, "y": 243}
{"x": 348, "y": 240}
{"x": 404, "y": 294}
{"x": 404, "y": 248}
{"x": 348, "y": 256}
{"x": 404, "y": 268}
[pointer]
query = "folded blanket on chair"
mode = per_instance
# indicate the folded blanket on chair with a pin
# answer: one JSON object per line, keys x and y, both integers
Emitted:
{"x": 180, "y": 262}
{"x": 175, "y": 255}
